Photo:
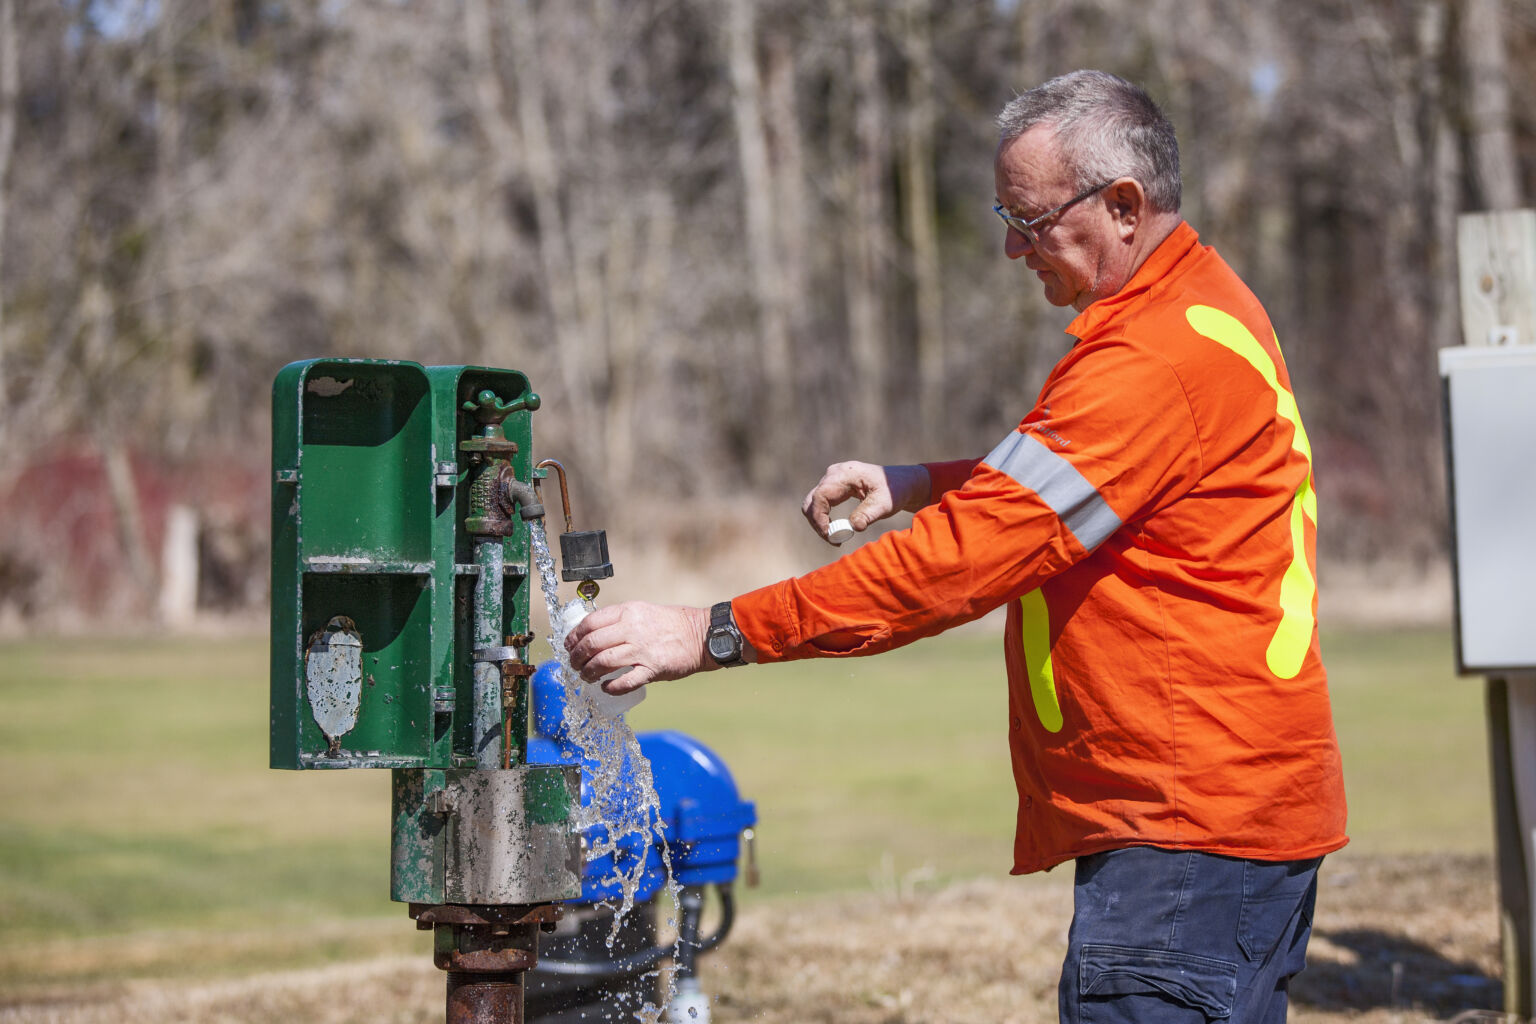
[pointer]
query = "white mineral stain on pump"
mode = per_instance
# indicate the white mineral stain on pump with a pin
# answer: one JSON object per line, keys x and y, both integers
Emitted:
{"x": 608, "y": 705}
{"x": 839, "y": 530}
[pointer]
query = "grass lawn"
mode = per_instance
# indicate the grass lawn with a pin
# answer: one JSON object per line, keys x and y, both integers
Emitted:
{"x": 1414, "y": 741}
{"x": 137, "y": 811}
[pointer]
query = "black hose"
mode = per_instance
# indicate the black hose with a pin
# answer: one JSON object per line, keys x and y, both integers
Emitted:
{"x": 727, "y": 918}
{"x": 645, "y": 959}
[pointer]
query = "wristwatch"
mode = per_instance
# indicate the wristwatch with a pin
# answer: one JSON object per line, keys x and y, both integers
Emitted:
{"x": 725, "y": 640}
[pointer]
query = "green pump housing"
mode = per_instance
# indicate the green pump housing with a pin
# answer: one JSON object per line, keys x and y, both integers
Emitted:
{"x": 369, "y": 502}
{"x": 400, "y": 603}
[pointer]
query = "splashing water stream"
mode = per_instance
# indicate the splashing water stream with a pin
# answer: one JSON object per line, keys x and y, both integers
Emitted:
{"x": 622, "y": 809}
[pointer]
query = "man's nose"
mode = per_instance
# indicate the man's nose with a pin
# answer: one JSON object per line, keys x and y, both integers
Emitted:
{"x": 1015, "y": 244}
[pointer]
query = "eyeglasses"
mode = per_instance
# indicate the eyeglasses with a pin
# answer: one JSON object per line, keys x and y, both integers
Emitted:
{"x": 1027, "y": 227}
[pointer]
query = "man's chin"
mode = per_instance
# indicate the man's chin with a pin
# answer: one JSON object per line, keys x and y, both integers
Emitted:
{"x": 1057, "y": 296}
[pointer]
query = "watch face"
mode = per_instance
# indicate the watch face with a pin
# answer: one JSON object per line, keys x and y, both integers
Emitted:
{"x": 722, "y": 646}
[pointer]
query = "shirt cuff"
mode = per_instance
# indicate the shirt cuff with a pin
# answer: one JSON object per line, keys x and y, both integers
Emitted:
{"x": 761, "y": 617}
{"x": 948, "y": 476}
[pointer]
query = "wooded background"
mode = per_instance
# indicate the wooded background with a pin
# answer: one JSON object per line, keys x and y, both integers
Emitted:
{"x": 730, "y": 241}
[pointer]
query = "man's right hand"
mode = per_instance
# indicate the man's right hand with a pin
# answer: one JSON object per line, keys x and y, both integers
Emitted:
{"x": 882, "y": 491}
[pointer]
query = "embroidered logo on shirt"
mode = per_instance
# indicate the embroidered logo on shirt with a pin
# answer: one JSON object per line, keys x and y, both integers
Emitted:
{"x": 1044, "y": 430}
{"x": 1042, "y": 426}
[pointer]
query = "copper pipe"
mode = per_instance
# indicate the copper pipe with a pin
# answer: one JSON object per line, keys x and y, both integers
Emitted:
{"x": 565, "y": 494}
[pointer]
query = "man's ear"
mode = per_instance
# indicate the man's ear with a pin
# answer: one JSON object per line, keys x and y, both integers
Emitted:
{"x": 1127, "y": 205}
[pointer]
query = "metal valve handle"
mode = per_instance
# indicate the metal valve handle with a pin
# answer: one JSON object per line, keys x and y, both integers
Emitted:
{"x": 489, "y": 410}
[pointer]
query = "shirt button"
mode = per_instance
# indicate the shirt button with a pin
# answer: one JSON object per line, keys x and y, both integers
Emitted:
{"x": 1016, "y": 723}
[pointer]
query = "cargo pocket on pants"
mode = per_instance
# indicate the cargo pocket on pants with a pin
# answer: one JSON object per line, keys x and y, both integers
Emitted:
{"x": 1152, "y": 986}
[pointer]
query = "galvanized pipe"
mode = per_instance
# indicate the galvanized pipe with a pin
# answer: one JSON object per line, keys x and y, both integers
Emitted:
{"x": 487, "y": 728}
{"x": 492, "y": 505}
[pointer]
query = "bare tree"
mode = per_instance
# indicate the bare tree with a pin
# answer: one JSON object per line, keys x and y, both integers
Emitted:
{"x": 9, "y": 78}
{"x": 757, "y": 192}
{"x": 1483, "y": 59}
{"x": 920, "y": 213}
{"x": 752, "y": 230}
{"x": 782, "y": 121}
{"x": 867, "y": 237}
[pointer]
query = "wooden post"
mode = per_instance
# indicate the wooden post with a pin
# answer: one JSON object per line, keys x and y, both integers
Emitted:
{"x": 1497, "y": 253}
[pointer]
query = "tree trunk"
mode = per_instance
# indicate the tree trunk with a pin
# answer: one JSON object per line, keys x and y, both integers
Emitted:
{"x": 1443, "y": 183}
{"x": 130, "y": 516}
{"x": 164, "y": 278}
{"x": 9, "y": 88}
{"x": 1495, "y": 172}
{"x": 866, "y": 230}
{"x": 920, "y": 210}
{"x": 529, "y": 147}
{"x": 638, "y": 272}
{"x": 757, "y": 198}
{"x": 787, "y": 160}
{"x": 1034, "y": 25}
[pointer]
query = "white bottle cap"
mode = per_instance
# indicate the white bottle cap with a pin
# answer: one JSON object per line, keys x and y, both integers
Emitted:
{"x": 839, "y": 530}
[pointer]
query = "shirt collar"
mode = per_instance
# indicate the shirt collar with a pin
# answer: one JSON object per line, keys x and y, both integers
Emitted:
{"x": 1163, "y": 259}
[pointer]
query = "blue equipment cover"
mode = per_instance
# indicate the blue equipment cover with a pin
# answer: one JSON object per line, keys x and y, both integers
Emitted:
{"x": 700, "y": 804}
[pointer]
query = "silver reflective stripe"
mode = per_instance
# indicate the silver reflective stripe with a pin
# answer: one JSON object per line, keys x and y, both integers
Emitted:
{"x": 1074, "y": 500}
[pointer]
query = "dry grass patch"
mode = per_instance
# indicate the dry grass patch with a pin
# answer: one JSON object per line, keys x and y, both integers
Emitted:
{"x": 1398, "y": 939}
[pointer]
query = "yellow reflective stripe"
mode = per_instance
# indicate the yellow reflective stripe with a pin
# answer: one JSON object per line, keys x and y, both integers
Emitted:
{"x": 1298, "y": 587}
{"x": 1293, "y": 637}
{"x": 1036, "y": 634}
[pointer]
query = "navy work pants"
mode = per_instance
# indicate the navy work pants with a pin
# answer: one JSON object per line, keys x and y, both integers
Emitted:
{"x": 1168, "y": 937}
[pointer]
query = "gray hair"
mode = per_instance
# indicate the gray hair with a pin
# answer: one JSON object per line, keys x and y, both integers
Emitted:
{"x": 1107, "y": 129}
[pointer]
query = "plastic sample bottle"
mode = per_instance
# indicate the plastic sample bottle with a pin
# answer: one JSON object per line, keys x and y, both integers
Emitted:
{"x": 608, "y": 705}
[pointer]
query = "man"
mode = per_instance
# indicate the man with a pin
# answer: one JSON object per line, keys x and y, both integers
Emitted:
{"x": 1150, "y": 525}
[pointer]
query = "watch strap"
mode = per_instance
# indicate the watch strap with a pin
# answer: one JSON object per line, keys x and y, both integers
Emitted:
{"x": 722, "y": 632}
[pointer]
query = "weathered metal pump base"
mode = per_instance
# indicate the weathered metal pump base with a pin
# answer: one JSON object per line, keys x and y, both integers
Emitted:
{"x": 401, "y": 499}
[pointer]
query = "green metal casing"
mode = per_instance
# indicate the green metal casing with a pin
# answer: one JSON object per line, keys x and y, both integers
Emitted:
{"x": 368, "y": 506}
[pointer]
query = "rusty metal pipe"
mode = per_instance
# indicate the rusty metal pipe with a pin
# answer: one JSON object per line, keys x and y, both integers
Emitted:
{"x": 485, "y": 950}
{"x": 485, "y": 998}
{"x": 565, "y": 494}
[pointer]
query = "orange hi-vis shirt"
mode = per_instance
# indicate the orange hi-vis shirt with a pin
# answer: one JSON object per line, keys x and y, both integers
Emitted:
{"x": 1151, "y": 526}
